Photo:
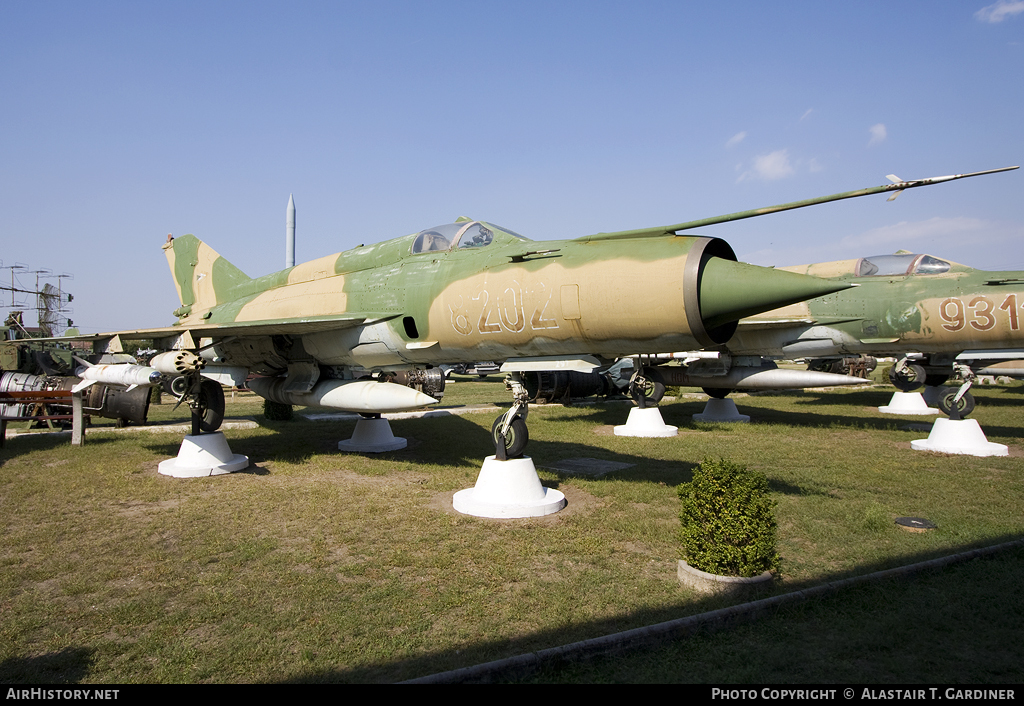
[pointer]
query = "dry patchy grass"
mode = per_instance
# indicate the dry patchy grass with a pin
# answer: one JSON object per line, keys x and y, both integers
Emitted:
{"x": 315, "y": 565}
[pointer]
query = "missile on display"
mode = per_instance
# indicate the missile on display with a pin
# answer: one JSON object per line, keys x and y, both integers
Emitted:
{"x": 130, "y": 376}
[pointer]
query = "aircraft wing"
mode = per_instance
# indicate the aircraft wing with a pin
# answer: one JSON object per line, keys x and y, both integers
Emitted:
{"x": 190, "y": 335}
{"x": 898, "y": 187}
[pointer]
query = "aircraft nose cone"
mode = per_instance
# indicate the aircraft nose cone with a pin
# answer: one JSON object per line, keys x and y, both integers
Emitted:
{"x": 730, "y": 291}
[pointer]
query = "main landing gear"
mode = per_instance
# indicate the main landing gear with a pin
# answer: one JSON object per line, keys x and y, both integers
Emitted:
{"x": 956, "y": 404}
{"x": 508, "y": 485}
{"x": 509, "y": 430}
{"x": 646, "y": 388}
{"x": 204, "y": 452}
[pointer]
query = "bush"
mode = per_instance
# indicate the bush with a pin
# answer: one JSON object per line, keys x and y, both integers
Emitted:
{"x": 276, "y": 411}
{"x": 728, "y": 520}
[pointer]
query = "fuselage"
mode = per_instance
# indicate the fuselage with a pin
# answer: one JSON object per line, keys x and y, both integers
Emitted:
{"x": 472, "y": 291}
{"x": 904, "y": 303}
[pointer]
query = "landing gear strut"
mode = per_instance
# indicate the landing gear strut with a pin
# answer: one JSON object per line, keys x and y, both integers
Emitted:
{"x": 204, "y": 397}
{"x": 959, "y": 403}
{"x": 646, "y": 388}
{"x": 509, "y": 430}
{"x": 906, "y": 377}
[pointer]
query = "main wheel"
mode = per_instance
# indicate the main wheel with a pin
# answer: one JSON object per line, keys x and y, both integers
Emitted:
{"x": 515, "y": 438}
{"x": 211, "y": 405}
{"x": 934, "y": 380}
{"x": 964, "y": 407}
{"x": 911, "y": 378}
{"x": 652, "y": 389}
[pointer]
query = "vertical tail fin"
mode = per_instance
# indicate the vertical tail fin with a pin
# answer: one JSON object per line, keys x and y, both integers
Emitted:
{"x": 204, "y": 279}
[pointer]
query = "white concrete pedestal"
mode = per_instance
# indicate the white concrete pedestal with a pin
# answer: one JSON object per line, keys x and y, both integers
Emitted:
{"x": 959, "y": 436}
{"x": 646, "y": 423}
{"x": 907, "y": 403}
{"x": 372, "y": 436}
{"x": 203, "y": 455}
{"x": 507, "y": 489}
{"x": 720, "y": 410}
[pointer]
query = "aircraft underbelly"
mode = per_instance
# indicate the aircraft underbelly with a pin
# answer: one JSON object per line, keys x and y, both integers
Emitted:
{"x": 372, "y": 346}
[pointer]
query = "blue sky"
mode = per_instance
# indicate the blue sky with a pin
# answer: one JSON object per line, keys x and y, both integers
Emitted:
{"x": 122, "y": 122}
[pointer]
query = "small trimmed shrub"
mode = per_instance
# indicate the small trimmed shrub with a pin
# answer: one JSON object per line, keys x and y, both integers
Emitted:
{"x": 728, "y": 520}
{"x": 276, "y": 411}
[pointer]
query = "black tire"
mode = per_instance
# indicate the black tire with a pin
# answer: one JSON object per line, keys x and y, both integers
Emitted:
{"x": 516, "y": 438}
{"x": 965, "y": 407}
{"x": 653, "y": 389}
{"x": 934, "y": 379}
{"x": 211, "y": 405}
{"x": 910, "y": 379}
{"x": 719, "y": 393}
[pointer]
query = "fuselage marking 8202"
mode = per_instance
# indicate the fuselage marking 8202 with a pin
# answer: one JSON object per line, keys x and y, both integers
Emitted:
{"x": 506, "y": 311}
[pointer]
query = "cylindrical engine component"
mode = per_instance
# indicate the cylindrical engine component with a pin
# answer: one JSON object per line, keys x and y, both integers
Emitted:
{"x": 549, "y": 386}
{"x": 18, "y": 382}
{"x": 109, "y": 401}
{"x": 429, "y": 381}
{"x": 766, "y": 377}
{"x": 117, "y": 402}
{"x": 348, "y": 395}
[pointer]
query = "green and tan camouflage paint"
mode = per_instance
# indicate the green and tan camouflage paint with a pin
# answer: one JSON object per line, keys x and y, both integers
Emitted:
{"x": 948, "y": 312}
{"x": 383, "y": 306}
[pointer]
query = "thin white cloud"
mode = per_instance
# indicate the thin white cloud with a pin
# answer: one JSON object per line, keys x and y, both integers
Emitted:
{"x": 936, "y": 231}
{"x": 809, "y": 111}
{"x": 1002, "y": 10}
{"x": 878, "y": 134}
{"x": 736, "y": 139}
{"x": 769, "y": 167}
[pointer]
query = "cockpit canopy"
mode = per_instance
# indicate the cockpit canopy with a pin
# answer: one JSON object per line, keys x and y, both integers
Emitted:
{"x": 900, "y": 264}
{"x": 458, "y": 236}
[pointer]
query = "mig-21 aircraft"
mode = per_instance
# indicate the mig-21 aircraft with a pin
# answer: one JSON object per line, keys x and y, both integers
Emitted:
{"x": 366, "y": 330}
{"x": 934, "y": 315}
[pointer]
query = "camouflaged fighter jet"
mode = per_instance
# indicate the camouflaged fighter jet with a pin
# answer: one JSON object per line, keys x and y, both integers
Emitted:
{"x": 365, "y": 330}
{"x": 933, "y": 315}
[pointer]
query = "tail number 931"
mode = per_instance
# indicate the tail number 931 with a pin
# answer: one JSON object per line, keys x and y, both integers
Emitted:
{"x": 979, "y": 313}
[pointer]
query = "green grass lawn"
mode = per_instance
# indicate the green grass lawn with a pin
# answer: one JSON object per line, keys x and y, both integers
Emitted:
{"x": 315, "y": 565}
